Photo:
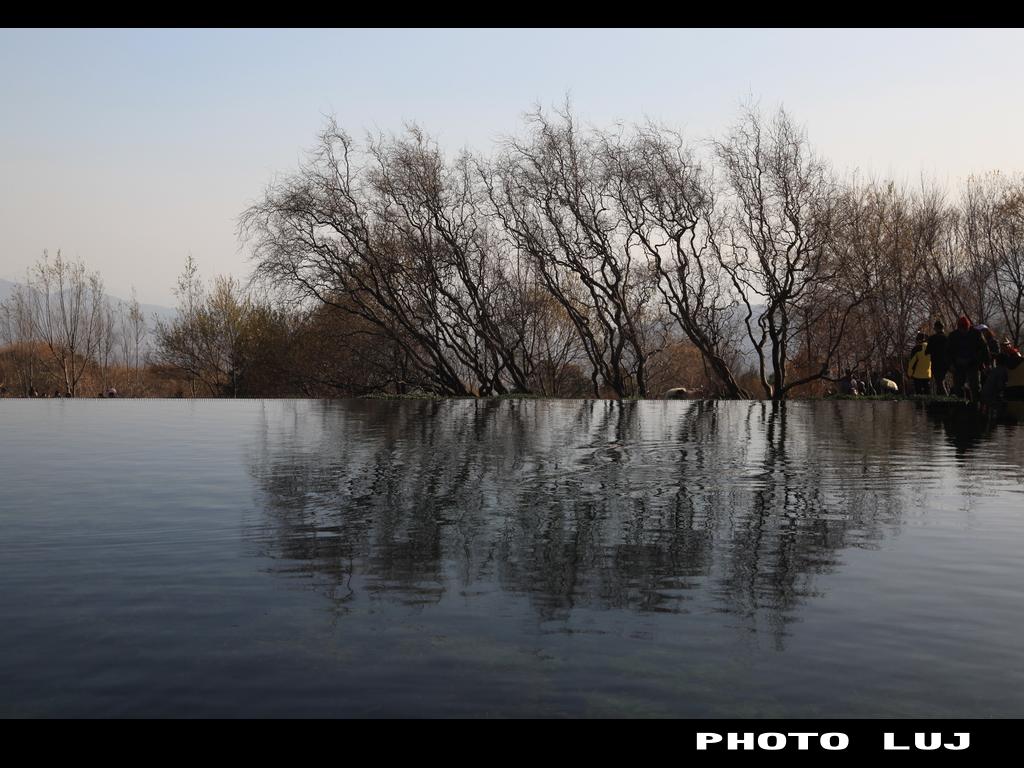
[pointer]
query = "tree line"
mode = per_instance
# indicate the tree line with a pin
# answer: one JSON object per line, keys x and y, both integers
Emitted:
{"x": 580, "y": 261}
{"x": 598, "y": 251}
{"x": 61, "y": 332}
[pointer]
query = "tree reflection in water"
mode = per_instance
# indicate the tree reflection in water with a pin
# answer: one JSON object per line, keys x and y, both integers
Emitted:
{"x": 637, "y": 506}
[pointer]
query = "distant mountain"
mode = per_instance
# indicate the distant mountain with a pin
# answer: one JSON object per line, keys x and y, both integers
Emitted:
{"x": 163, "y": 313}
{"x": 166, "y": 314}
{"x": 6, "y": 289}
{"x": 152, "y": 312}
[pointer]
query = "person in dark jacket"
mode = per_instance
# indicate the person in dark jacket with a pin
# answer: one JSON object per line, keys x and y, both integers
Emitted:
{"x": 848, "y": 385}
{"x": 968, "y": 353}
{"x": 938, "y": 351}
{"x": 1006, "y": 377}
{"x": 1010, "y": 368}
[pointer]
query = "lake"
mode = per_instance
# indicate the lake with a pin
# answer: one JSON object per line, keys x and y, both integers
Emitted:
{"x": 368, "y": 558}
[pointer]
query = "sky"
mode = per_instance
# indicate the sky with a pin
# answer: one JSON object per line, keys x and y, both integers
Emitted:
{"x": 130, "y": 149}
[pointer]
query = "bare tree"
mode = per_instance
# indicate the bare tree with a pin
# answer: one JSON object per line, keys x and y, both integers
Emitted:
{"x": 993, "y": 219}
{"x": 132, "y": 333}
{"x": 477, "y": 284}
{"x": 68, "y": 303}
{"x": 555, "y": 198}
{"x": 552, "y": 342}
{"x": 189, "y": 291}
{"x": 889, "y": 239}
{"x": 668, "y": 203}
{"x": 205, "y": 339}
{"x": 778, "y": 252}
{"x": 394, "y": 235}
{"x": 107, "y": 341}
{"x": 18, "y": 329}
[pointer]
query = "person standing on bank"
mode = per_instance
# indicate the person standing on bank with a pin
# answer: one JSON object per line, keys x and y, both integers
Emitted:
{"x": 919, "y": 369}
{"x": 968, "y": 352}
{"x": 938, "y": 351}
{"x": 1011, "y": 360}
{"x": 992, "y": 345}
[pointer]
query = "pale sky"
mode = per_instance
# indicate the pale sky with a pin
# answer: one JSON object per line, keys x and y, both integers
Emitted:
{"x": 130, "y": 149}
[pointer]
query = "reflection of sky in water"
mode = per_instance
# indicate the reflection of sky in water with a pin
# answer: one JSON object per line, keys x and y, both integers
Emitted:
{"x": 510, "y": 557}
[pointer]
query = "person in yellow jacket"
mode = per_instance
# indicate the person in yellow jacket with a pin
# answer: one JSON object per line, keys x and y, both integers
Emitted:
{"x": 919, "y": 369}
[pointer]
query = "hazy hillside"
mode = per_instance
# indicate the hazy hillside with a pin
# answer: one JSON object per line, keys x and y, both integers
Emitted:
{"x": 6, "y": 289}
{"x": 152, "y": 312}
{"x": 149, "y": 310}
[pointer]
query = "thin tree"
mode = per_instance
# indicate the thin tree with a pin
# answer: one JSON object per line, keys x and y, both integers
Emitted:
{"x": 132, "y": 334}
{"x": 784, "y": 209}
{"x": 554, "y": 198}
{"x": 667, "y": 200}
{"x": 18, "y": 330}
{"x": 68, "y": 303}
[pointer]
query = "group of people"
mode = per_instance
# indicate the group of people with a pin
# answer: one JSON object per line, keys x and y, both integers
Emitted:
{"x": 982, "y": 368}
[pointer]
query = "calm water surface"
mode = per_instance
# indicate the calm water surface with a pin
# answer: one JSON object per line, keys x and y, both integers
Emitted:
{"x": 508, "y": 558}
